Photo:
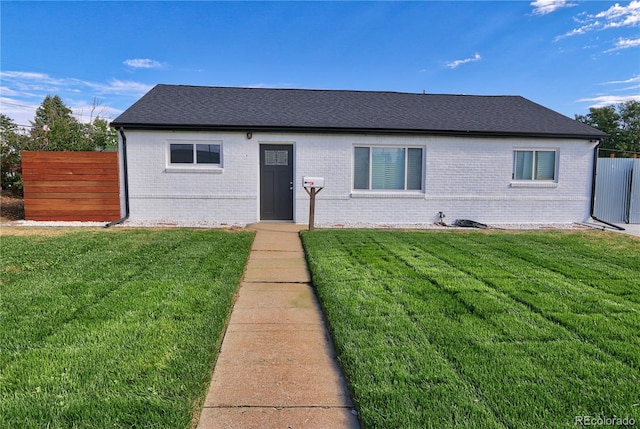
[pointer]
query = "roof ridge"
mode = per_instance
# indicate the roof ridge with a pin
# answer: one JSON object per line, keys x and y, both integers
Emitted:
{"x": 362, "y": 91}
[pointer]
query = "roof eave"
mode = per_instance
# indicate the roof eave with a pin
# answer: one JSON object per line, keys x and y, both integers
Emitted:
{"x": 350, "y": 130}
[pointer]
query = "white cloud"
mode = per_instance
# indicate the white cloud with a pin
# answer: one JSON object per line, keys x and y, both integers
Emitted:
{"x": 544, "y": 7}
{"x": 8, "y": 92}
{"x": 608, "y": 100}
{"x": 143, "y": 63}
{"x": 116, "y": 86}
{"x": 615, "y": 17}
{"x": 20, "y": 111}
{"x": 22, "y": 93}
{"x": 30, "y": 83}
{"x": 624, "y": 44}
{"x": 628, "y": 85}
{"x": 21, "y": 81}
{"x": 633, "y": 79}
{"x": 84, "y": 112}
{"x": 458, "y": 63}
{"x": 621, "y": 16}
{"x": 24, "y": 75}
{"x": 631, "y": 84}
{"x": 36, "y": 82}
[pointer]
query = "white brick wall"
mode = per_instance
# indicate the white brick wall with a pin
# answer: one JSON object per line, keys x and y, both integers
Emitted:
{"x": 466, "y": 178}
{"x": 227, "y": 195}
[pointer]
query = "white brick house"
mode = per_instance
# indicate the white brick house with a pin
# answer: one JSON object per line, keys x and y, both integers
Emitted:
{"x": 238, "y": 155}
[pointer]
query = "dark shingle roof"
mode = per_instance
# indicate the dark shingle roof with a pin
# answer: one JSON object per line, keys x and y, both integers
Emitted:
{"x": 253, "y": 109}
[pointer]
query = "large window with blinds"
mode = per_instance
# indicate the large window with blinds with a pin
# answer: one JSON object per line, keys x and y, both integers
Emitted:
{"x": 534, "y": 165}
{"x": 388, "y": 168}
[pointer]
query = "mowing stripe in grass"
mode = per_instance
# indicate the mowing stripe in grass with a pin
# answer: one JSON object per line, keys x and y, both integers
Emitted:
{"x": 508, "y": 315}
{"x": 618, "y": 266}
{"x": 573, "y": 265}
{"x": 501, "y": 312}
{"x": 595, "y": 303}
{"x": 576, "y": 299}
{"x": 439, "y": 298}
{"x": 370, "y": 338}
{"x": 115, "y": 328}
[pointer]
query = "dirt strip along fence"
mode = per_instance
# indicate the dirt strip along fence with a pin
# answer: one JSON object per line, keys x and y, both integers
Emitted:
{"x": 71, "y": 186}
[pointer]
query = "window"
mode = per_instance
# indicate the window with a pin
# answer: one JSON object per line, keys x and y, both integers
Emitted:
{"x": 194, "y": 153}
{"x": 387, "y": 168}
{"x": 276, "y": 157}
{"x": 534, "y": 165}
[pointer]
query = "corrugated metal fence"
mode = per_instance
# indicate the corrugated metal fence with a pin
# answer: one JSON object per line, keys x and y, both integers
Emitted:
{"x": 618, "y": 190}
{"x": 71, "y": 186}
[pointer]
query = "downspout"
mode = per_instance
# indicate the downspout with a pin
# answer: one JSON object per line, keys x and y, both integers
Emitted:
{"x": 126, "y": 181}
{"x": 596, "y": 150}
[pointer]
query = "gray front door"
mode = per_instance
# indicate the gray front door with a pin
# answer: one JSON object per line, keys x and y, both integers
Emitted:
{"x": 276, "y": 182}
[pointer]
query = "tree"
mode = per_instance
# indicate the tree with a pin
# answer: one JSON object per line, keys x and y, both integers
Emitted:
{"x": 10, "y": 143}
{"x": 621, "y": 122}
{"x": 101, "y": 134}
{"x": 54, "y": 128}
{"x": 630, "y": 121}
{"x": 98, "y": 131}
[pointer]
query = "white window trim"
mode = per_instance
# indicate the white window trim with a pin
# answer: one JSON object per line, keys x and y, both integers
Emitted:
{"x": 388, "y": 193}
{"x": 192, "y": 168}
{"x": 375, "y": 193}
{"x": 535, "y": 183}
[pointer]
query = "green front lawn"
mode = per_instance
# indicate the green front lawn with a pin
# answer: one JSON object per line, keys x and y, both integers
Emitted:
{"x": 483, "y": 330}
{"x": 113, "y": 328}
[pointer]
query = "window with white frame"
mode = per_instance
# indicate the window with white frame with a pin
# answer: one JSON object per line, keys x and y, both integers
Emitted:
{"x": 534, "y": 165}
{"x": 205, "y": 153}
{"x": 387, "y": 168}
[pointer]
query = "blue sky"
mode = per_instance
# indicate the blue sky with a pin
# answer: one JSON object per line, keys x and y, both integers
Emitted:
{"x": 564, "y": 54}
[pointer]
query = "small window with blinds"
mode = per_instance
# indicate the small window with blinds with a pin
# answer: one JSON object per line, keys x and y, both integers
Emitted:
{"x": 534, "y": 165}
{"x": 388, "y": 168}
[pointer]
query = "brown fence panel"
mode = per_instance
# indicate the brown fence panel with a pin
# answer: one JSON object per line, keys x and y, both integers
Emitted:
{"x": 71, "y": 186}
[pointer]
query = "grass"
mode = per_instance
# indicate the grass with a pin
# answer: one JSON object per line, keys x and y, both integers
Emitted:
{"x": 482, "y": 330}
{"x": 117, "y": 328}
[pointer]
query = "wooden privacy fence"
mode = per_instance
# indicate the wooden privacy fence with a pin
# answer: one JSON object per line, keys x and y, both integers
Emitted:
{"x": 71, "y": 186}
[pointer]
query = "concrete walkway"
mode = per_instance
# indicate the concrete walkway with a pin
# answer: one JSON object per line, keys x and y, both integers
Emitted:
{"x": 629, "y": 228}
{"x": 277, "y": 366}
